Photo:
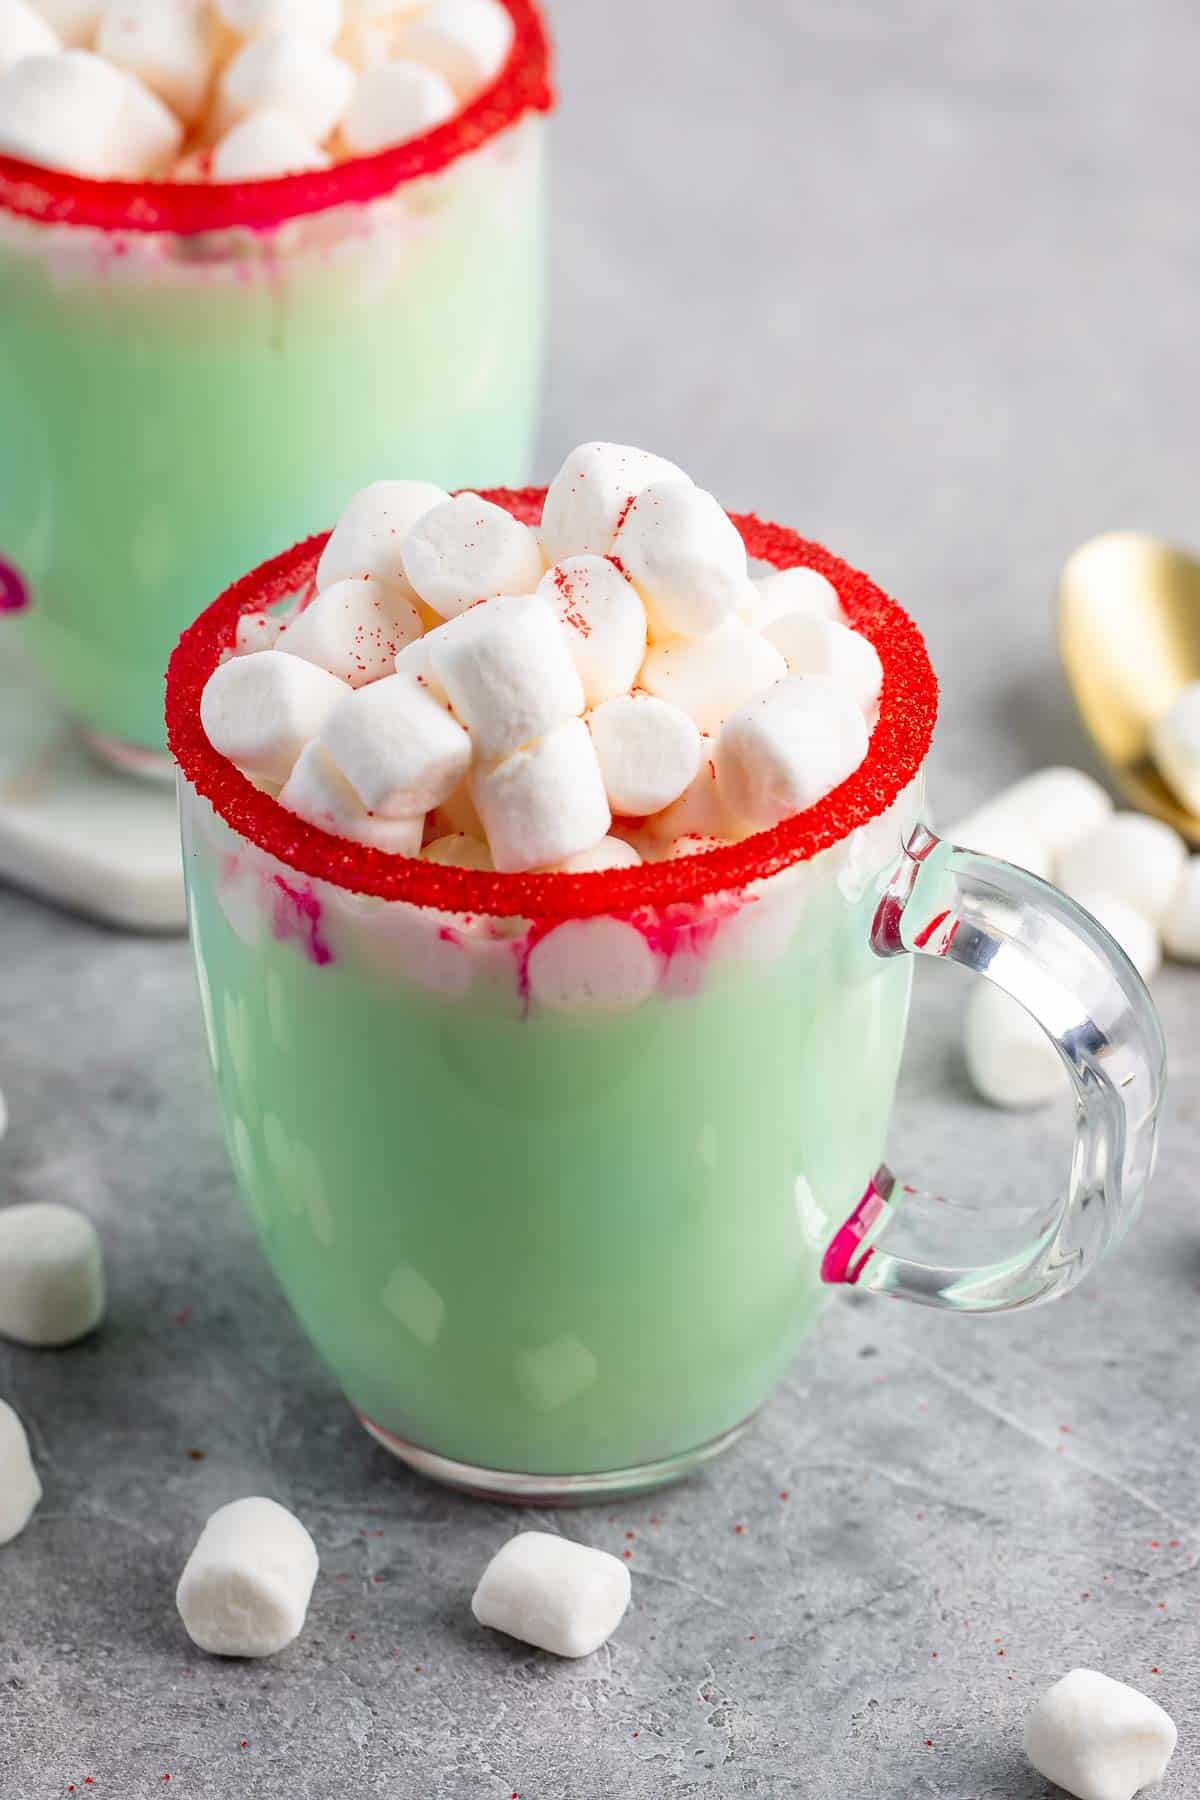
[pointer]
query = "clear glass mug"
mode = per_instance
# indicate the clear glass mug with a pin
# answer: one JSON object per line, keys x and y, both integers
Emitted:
{"x": 556, "y": 1170}
{"x": 190, "y": 374}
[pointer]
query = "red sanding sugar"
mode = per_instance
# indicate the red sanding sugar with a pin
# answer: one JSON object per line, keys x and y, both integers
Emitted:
{"x": 899, "y": 745}
{"x": 186, "y": 208}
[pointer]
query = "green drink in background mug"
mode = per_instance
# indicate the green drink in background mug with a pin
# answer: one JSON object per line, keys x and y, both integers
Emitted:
{"x": 555, "y": 1170}
{"x": 190, "y": 373}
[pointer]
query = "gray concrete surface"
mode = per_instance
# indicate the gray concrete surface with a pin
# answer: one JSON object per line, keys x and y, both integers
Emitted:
{"x": 923, "y": 278}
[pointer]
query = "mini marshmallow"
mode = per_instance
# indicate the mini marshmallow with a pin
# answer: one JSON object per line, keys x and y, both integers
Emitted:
{"x": 393, "y": 102}
{"x": 20, "y": 1489}
{"x": 770, "y": 597}
{"x": 148, "y": 134}
{"x": 264, "y": 145}
{"x": 1137, "y": 858}
{"x": 1009, "y": 1058}
{"x": 23, "y": 32}
{"x": 649, "y": 752}
{"x": 1175, "y": 742}
{"x": 245, "y": 1588}
{"x": 1136, "y": 935}
{"x": 508, "y": 672}
{"x": 469, "y": 549}
{"x": 812, "y": 645}
{"x": 545, "y": 1590}
{"x": 397, "y": 746}
{"x": 261, "y": 710}
{"x": 589, "y": 966}
{"x": 75, "y": 22}
{"x": 1097, "y": 1738}
{"x": 466, "y": 41}
{"x": 685, "y": 556}
{"x": 167, "y": 44}
{"x": 458, "y": 815}
{"x": 369, "y": 537}
{"x": 1057, "y": 806}
{"x": 459, "y": 851}
{"x": 788, "y": 748}
{"x": 604, "y": 621}
{"x": 320, "y": 20}
{"x": 994, "y": 832}
{"x": 710, "y": 677}
{"x": 609, "y": 853}
{"x": 545, "y": 802}
{"x": 355, "y": 629}
{"x": 76, "y": 112}
{"x": 1181, "y": 921}
{"x": 256, "y": 631}
{"x": 317, "y": 791}
{"x": 287, "y": 71}
{"x": 592, "y": 493}
{"x": 700, "y": 811}
{"x": 415, "y": 660}
{"x": 51, "y": 1275}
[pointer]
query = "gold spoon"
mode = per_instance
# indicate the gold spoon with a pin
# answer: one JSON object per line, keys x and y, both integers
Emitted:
{"x": 1129, "y": 634}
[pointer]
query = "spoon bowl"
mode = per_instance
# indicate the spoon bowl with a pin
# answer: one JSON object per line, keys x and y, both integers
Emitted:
{"x": 1129, "y": 635}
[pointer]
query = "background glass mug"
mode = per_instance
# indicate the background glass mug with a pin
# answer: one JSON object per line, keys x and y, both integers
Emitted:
{"x": 553, "y": 1168}
{"x": 191, "y": 374}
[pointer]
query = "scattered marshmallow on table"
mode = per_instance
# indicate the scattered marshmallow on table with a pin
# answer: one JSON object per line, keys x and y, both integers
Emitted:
{"x": 246, "y": 1586}
{"x": 469, "y": 549}
{"x": 994, "y": 832}
{"x": 545, "y": 802}
{"x": 604, "y": 621}
{"x": 23, "y": 32}
{"x": 592, "y": 493}
{"x": 788, "y": 748}
{"x": 354, "y": 629}
{"x": 649, "y": 752}
{"x": 318, "y": 792}
{"x": 507, "y": 670}
{"x": 560, "y": 1596}
{"x": 711, "y": 676}
{"x": 1181, "y": 921}
{"x": 467, "y": 41}
{"x": 394, "y": 102}
{"x": 368, "y": 538}
{"x": 260, "y": 710}
{"x": 290, "y": 72}
{"x": 813, "y": 645}
{"x": 1175, "y": 742}
{"x": 1056, "y": 807}
{"x": 320, "y": 20}
{"x": 1133, "y": 931}
{"x": 20, "y": 1489}
{"x": 1097, "y": 1738}
{"x": 1136, "y": 858}
{"x": 770, "y": 597}
{"x": 685, "y": 557}
{"x": 397, "y": 746}
{"x": 167, "y": 44}
{"x": 51, "y": 1275}
{"x": 1009, "y": 1058}
{"x": 266, "y": 144}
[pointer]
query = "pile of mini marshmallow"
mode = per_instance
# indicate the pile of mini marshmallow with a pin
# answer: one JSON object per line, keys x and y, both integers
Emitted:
{"x": 1131, "y": 872}
{"x": 235, "y": 90}
{"x": 469, "y": 689}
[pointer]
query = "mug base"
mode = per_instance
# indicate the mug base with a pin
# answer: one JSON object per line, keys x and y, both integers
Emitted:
{"x": 551, "y": 1490}
{"x": 130, "y": 759}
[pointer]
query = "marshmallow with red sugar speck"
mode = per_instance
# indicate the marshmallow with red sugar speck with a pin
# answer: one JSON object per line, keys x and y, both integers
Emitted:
{"x": 393, "y": 102}
{"x": 287, "y": 71}
{"x": 545, "y": 802}
{"x": 788, "y": 748}
{"x": 355, "y": 629}
{"x": 558, "y": 1595}
{"x": 649, "y": 752}
{"x": 591, "y": 495}
{"x": 508, "y": 672}
{"x": 398, "y": 746}
{"x": 246, "y": 1586}
{"x": 267, "y": 144}
{"x": 368, "y": 539}
{"x": 1097, "y": 1738}
{"x": 813, "y": 645}
{"x": 20, "y": 1489}
{"x": 318, "y": 792}
{"x": 52, "y": 1288}
{"x": 24, "y": 32}
{"x": 469, "y": 549}
{"x": 260, "y": 710}
{"x": 711, "y": 677}
{"x": 256, "y": 631}
{"x": 604, "y": 622}
{"x": 467, "y": 41}
{"x": 168, "y": 44}
{"x": 685, "y": 556}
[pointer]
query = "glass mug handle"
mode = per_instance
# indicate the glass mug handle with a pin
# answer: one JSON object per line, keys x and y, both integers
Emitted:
{"x": 1080, "y": 987}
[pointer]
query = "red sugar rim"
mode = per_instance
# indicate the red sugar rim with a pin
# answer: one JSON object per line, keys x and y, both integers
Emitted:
{"x": 898, "y": 748}
{"x": 53, "y": 197}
